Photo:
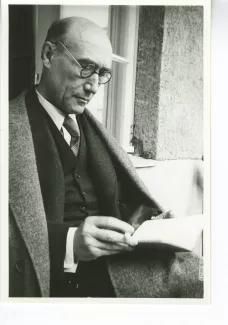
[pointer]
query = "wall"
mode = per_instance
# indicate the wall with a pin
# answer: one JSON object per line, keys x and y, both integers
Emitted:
{"x": 177, "y": 185}
{"x": 45, "y": 16}
{"x": 180, "y": 121}
{"x": 148, "y": 69}
{"x": 21, "y": 49}
{"x": 169, "y": 84}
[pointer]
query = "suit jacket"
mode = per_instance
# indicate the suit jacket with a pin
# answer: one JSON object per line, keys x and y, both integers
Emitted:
{"x": 140, "y": 274}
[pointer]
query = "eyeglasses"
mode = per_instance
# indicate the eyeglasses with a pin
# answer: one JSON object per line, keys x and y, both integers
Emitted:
{"x": 90, "y": 69}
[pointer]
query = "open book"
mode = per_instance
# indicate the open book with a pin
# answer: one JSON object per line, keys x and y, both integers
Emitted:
{"x": 178, "y": 234}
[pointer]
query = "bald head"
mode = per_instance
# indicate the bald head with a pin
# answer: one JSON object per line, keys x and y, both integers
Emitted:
{"x": 78, "y": 32}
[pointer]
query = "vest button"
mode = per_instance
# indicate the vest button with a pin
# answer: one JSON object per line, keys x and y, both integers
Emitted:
{"x": 77, "y": 175}
{"x": 84, "y": 193}
{"x": 83, "y": 207}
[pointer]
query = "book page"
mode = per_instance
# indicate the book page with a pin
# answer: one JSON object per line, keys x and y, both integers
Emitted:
{"x": 180, "y": 233}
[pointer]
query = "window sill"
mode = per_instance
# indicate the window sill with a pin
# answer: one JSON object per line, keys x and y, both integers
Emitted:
{"x": 139, "y": 162}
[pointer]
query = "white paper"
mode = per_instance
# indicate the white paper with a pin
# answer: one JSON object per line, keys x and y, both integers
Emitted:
{"x": 181, "y": 233}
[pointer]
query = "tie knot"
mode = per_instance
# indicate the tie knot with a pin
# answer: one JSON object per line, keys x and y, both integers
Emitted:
{"x": 71, "y": 126}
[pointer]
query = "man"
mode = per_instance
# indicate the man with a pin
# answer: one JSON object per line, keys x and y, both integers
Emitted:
{"x": 75, "y": 198}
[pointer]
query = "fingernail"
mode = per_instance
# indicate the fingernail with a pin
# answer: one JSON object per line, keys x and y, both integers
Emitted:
{"x": 134, "y": 242}
{"x": 129, "y": 240}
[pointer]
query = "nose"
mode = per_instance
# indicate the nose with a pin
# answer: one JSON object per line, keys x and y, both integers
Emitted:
{"x": 92, "y": 84}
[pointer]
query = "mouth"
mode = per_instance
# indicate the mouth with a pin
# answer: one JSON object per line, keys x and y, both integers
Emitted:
{"x": 82, "y": 101}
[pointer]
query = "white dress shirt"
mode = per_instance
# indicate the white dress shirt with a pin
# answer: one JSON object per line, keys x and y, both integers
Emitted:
{"x": 58, "y": 118}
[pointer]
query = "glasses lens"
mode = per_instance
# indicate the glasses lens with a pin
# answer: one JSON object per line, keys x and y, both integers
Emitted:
{"x": 88, "y": 71}
{"x": 104, "y": 76}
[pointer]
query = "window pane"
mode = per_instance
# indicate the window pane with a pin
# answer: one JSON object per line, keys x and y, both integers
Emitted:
{"x": 120, "y": 111}
{"x": 119, "y": 29}
{"x": 98, "y": 14}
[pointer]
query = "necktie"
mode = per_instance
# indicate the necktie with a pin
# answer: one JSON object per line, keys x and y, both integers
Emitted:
{"x": 73, "y": 129}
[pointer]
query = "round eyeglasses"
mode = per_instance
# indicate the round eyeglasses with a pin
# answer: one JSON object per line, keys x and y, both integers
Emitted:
{"x": 86, "y": 72}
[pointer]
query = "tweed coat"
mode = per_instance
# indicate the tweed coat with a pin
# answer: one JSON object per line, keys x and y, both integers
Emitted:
{"x": 141, "y": 274}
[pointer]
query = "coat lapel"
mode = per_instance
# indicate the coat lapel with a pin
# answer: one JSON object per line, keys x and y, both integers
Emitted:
{"x": 48, "y": 162}
{"x": 25, "y": 194}
{"x": 121, "y": 157}
{"x": 101, "y": 169}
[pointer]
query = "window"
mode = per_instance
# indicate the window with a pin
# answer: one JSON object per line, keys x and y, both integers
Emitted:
{"x": 121, "y": 92}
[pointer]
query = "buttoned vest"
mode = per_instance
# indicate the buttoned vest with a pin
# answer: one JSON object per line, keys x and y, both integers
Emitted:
{"x": 80, "y": 194}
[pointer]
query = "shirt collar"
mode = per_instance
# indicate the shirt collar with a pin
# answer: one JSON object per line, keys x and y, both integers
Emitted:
{"x": 55, "y": 114}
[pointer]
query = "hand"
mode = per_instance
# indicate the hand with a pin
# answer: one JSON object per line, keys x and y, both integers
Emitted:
{"x": 164, "y": 215}
{"x": 99, "y": 236}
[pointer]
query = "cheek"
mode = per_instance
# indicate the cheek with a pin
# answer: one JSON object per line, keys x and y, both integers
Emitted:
{"x": 63, "y": 84}
{"x": 71, "y": 89}
{"x": 62, "y": 73}
{"x": 73, "y": 86}
{"x": 57, "y": 81}
{"x": 66, "y": 80}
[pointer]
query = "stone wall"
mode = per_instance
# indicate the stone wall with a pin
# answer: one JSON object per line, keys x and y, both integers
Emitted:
{"x": 169, "y": 85}
{"x": 148, "y": 68}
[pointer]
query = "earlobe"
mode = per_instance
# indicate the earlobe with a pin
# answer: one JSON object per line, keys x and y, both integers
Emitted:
{"x": 47, "y": 54}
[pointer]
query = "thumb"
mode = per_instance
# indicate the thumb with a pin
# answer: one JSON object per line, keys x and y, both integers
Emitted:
{"x": 168, "y": 215}
{"x": 165, "y": 215}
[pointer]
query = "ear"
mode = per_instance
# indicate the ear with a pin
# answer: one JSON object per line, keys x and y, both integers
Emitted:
{"x": 47, "y": 54}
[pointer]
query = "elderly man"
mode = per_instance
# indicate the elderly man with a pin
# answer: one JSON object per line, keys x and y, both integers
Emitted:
{"x": 75, "y": 198}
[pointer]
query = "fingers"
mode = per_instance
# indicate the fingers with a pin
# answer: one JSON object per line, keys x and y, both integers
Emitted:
{"x": 169, "y": 215}
{"x": 129, "y": 240}
{"x": 165, "y": 215}
{"x": 111, "y": 223}
{"x": 104, "y": 252}
{"x": 98, "y": 236}
{"x": 104, "y": 246}
{"x": 95, "y": 249}
{"x": 107, "y": 253}
{"x": 114, "y": 237}
{"x": 109, "y": 236}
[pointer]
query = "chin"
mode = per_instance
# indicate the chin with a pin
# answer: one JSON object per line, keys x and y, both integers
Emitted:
{"x": 78, "y": 109}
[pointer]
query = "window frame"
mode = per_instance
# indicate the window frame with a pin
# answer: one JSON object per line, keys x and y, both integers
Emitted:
{"x": 119, "y": 115}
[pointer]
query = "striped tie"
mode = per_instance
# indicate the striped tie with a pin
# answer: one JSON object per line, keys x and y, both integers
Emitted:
{"x": 73, "y": 129}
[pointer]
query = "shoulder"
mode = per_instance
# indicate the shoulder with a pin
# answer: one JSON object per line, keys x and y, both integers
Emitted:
{"x": 20, "y": 99}
{"x": 102, "y": 130}
{"x": 17, "y": 104}
{"x": 17, "y": 115}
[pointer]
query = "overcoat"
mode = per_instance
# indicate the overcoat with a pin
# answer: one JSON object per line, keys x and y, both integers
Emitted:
{"x": 144, "y": 273}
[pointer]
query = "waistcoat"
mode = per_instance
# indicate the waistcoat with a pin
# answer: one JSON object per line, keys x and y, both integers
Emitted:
{"x": 80, "y": 195}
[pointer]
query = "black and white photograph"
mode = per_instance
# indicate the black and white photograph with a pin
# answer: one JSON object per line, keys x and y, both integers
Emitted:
{"x": 107, "y": 159}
